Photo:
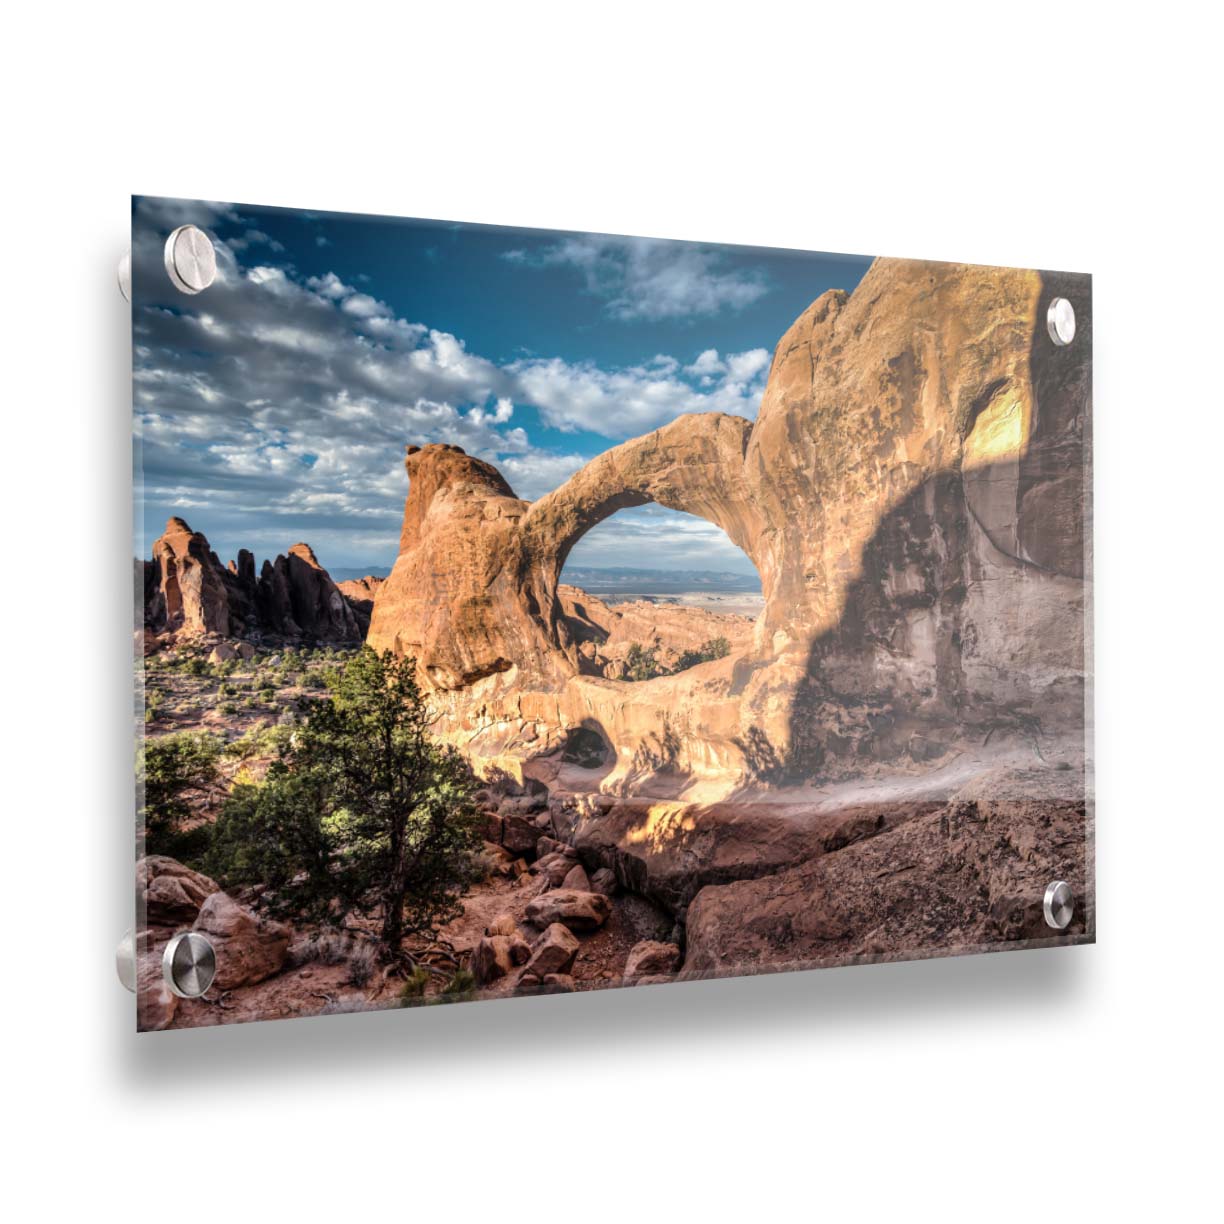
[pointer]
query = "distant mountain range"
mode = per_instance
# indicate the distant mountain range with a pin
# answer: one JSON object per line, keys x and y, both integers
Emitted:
{"x": 658, "y": 582}
{"x": 617, "y": 579}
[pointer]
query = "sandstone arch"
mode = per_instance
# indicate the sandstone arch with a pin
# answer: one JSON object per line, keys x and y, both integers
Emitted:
{"x": 928, "y": 402}
{"x": 694, "y": 464}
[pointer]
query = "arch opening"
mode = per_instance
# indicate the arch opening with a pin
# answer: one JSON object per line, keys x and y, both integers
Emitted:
{"x": 647, "y": 591}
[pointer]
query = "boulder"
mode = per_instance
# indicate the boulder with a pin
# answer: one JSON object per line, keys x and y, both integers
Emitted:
{"x": 576, "y": 879}
{"x": 171, "y": 893}
{"x": 603, "y": 881}
{"x": 222, "y": 652}
{"x": 553, "y": 952}
{"x": 249, "y": 948}
{"x": 553, "y": 867}
{"x": 503, "y": 924}
{"x": 519, "y": 834}
{"x": 557, "y": 983}
{"x": 651, "y": 957}
{"x": 497, "y": 955}
{"x": 580, "y": 911}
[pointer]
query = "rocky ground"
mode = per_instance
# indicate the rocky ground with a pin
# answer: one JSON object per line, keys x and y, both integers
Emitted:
{"x": 585, "y": 891}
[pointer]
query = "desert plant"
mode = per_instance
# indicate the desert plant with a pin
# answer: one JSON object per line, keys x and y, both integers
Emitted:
{"x": 362, "y": 808}
{"x": 715, "y": 648}
{"x": 413, "y": 990}
{"x": 459, "y": 986}
{"x": 172, "y": 769}
{"x": 642, "y": 663}
{"x": 361, "y": 964}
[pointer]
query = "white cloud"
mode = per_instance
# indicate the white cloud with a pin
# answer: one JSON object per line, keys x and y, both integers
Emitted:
{"x": 628, "y": 402}
{"x": 275, "y": 396}
{"x": 645, "y": 278}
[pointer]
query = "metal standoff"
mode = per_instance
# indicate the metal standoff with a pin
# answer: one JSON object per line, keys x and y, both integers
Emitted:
{"x": 189, "y": 965}
{"x": 1060, "y": 319}
{"x": 191, "y": 261}
{"x": 125, "y": 961}
{"x": 1059, "y": 905}
{"x": 125, "y": 274}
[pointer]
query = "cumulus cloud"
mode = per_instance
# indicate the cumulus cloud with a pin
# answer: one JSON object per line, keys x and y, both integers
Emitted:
{"x": 277, "y": 406}
{"x": 626, "y": 402}
{"x": 644, "y": 278}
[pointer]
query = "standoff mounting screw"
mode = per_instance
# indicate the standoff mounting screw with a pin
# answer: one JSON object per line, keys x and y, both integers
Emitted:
{"x": 1059, "y": 905}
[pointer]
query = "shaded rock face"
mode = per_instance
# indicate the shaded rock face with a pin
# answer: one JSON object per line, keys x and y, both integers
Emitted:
{"x": 187, "y": 590}
{"x": 912, "y": 494}
{"x": 970, "y": 875}
{"x": 297, "y": 598}
{"x": 360, "y": 592}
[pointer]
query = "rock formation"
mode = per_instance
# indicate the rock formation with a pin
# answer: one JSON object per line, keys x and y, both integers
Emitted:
{"x": 188, "y": 591}
{"x": 604, "y": 635}
{"x": 912, "y": 495}
{"x": 360, "y": 594}
{"x": 186, "y": 587}
{"x": 894, "y": 757}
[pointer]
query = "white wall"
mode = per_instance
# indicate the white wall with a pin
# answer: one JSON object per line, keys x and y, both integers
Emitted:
{"x": 1077, "y": 1082}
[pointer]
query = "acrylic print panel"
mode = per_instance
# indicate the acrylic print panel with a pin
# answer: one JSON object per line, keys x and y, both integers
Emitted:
{"x": 529, "y": 612}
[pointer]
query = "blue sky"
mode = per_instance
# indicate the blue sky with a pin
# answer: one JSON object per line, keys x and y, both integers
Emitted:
{"x": 275, "y": 406}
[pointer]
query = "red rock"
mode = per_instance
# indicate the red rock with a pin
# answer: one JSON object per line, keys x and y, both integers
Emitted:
{"x": 580, "y": 911}
{"x": 188, "y": 591}
{"x": 248, "y": 948}
{"x": 170, "y": 893}
{"x": 652, "y": 957}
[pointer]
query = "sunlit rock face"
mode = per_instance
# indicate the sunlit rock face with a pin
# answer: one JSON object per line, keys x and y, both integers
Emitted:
{"x": 913, "y": 497}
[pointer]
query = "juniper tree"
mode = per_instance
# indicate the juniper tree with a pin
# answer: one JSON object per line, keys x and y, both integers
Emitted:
{"x": 364, "y": 808}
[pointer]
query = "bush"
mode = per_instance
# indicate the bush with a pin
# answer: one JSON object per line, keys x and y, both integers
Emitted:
{"x": 172, "y": 769}
{"x": 325, "y": 947}
{"x": 413, "y": 989}
{"x": 715, "y": 648}
{"x": 362, "y": 809}
{"x": 461, "y": 985}
{"x": 642, "y": 663}
{"x": 361, "y": 964}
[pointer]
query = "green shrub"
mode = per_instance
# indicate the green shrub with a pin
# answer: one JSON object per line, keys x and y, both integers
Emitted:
{"x": 461, "y": 985}
{"x": 362, "y": 809}
{"x": 715, "y": 648}
{"x": 642, "y": 663}
{"x": 172, "y": 769}
{"x": 413, "y": 989}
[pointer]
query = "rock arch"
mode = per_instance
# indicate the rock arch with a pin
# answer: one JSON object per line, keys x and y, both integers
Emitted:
{"x": 911, "y": 494}
{"x": 694, "y": 464}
